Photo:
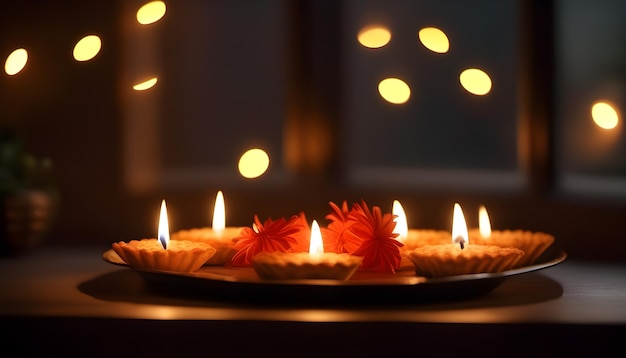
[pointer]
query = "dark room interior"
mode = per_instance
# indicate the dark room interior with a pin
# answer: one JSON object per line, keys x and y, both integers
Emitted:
{"x": 88, "y": 155}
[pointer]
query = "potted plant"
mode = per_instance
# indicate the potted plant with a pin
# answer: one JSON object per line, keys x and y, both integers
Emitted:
{"x": 28, "y": 197}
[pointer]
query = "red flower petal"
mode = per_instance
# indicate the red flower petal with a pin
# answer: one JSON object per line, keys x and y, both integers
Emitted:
{"x": 334, "y": 236}
{"x": 379, "y": 248}
{"x": 269, "y": 236}
{"x": 303, "y": 236}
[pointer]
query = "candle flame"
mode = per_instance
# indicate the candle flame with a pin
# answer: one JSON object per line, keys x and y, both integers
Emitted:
{"x": 316, "y": 246}
{"x": 219, "y": 213}
{"x": 459, "y": 227}
{"x": 402, "y": 228}
{"x": 164, "y": 227}
{"x": 483, "y": 222}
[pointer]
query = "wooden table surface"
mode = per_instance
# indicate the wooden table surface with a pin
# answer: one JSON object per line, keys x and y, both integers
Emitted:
{"x": 69, "y": 301}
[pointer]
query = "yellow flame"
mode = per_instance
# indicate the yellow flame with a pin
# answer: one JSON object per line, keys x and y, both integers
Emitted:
{"x": 142, "y": 86}
{"x": 484, "y": 224}
{"x": 316, "y": 245}
{"x": 374, "y": 36}
{"x": 151, "y": 12}
{"x": 219, "y": 213}
{"x": 164, "y": 227}
{"x": 434, "y": 39}
{"x": 254, "y": 163}
{"x": 402, "y": 227}
{"x": 604, "y": 115}
{"x": 459, "y": 227}
{"x": 87, "y": 48}
{"x": 394, "y": 90}
{"x": 16, "y": 61}
{"x": 475, "y": 81}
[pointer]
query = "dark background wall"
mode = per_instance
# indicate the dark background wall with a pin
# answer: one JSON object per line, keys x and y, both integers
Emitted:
{"x": 76, "y": 114}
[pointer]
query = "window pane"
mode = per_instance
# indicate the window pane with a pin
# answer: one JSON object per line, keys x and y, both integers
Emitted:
{"x": 442, "y": 127}
{"x": 220, "y": 91}
{"x": 590, "y": 69}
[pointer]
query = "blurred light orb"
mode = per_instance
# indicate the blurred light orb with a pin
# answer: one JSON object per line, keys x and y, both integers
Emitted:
{"x": 142, "y": 86}
{"x": 604, "y": 115}
{"x": 374, "y": 36}
{"x": 254, "y": 163}
{"x": 87, "y": 48}
{"x": 394, "y": 90}
{"x": 151, "y": 12}
{"x": 434, "y": 39}
{"x": 475, "y": 81}
{"x": 16, "y": 61}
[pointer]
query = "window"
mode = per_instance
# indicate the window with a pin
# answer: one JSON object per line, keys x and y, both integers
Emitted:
{"x": 292, "y": 78}
{"x": 220, "y": 92}
{"x": 443, "y": 135}
{"x": 590, "y": 70}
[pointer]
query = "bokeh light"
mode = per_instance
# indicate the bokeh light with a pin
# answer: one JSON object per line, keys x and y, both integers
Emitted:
{"x": 604, "y": 115}
{"x": 87, "y": 48}
{"x": 16, "y": 61}
{"x": 253, "y": 163}
{"x": 394, "y": 90}
{"x": 475, "y": 81}
{"x": 151, "y": 12}
{"x": 434, "y": 39}
{"x": 374, "y": 36}
{"x": 142, "y": 86}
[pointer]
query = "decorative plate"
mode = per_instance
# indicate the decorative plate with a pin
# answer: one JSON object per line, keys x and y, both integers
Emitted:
{"x": 243, "y": 285}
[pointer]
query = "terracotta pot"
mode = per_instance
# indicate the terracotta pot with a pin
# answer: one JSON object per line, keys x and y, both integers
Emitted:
{"x": 25, "y": 219}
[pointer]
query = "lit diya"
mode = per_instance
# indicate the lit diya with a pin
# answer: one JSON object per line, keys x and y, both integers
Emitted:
{"x": 460, "y": 257}
{"x": 315, "y": 264}
{"x": 413, "y": 238}
{"x": 219, "y": 235}
{"x": 532, "y": 243}
{"x": 163, "y": 254}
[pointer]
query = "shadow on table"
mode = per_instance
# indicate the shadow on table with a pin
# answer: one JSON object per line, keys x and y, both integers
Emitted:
{"x": 128, "y": 285}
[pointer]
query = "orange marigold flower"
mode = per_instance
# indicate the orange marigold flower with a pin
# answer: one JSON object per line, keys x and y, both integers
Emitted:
{"x": 269, "y": 236}
{"x": 334, "y": 235}
{"x": 379, "y": 248}
{"x": 303, "y": 236}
